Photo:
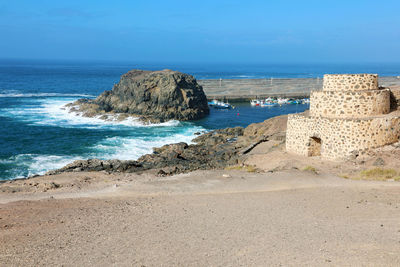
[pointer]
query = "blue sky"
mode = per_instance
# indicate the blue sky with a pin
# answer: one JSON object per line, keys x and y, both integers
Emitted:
{"x": 202, "y": 31}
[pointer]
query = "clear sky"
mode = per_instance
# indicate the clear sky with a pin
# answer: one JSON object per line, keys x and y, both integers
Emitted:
{"x": 247, "y": 31}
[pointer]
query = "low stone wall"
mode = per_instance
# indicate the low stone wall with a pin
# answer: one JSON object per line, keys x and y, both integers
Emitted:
{"x": 349, "y": 104}
{"x": 339, "y": 138}
{"x": 261, "y": 88}
{"x": 395, "y": 97}
{"x": 246, "y": 89}
{"x": 350, "y": 82}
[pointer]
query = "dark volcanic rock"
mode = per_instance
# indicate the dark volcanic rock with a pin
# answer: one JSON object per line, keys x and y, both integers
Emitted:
{"x": 152, "y": 95}
{"x": 214, "y": 150}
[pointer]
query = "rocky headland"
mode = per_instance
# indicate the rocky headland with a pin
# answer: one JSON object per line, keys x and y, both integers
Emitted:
{"x": 151, "y": 96}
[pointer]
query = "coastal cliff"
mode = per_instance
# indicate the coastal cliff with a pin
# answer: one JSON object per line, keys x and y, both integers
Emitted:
{"x": 155, "y": 96}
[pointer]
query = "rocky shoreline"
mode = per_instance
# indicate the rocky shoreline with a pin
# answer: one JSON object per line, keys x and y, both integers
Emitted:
{"x": 217, "y": 149}
{"x": 213, "y": 150}
{"x": 157, "y": 96}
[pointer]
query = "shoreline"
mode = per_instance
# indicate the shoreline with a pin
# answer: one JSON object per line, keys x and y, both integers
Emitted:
{"x": 286, "y": 84}
{"x": 278, "y": 201}
{"x": 230, "y": 148}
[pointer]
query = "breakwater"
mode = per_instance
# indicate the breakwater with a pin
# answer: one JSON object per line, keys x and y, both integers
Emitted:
{"x": 246, "y": 89}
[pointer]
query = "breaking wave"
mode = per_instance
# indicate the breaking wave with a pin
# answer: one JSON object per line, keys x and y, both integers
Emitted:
{"x": 95, "y": 138}
{"x": 15, "y": 94}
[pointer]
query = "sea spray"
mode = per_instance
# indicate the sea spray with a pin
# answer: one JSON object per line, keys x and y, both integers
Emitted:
{"x": 51, "y": 147}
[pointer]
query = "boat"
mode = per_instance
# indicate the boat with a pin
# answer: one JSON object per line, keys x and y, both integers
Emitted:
{"x": 213, "y": 103}
{"x": 294, "y": 101}
{"x": 255, "y": 102}
{"x": 219, "y": 104}
{"x": 268, "y": 104}
{"x": 282, "y": 101}
{"x": 222, "y": 105}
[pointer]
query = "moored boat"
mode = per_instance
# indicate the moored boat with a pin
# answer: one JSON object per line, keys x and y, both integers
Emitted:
{"x": 255, "y": 102}
{"x": 268, "y": 104}
{"x": 219, "y": 104}
{"x": 213, "y": 103}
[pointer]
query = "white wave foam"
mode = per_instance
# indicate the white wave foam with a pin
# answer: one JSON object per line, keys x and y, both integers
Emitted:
{"x": 40, "y": 164}
{"x": 16, "y": 94}
{"x": 30, "y": 164}
{"x": 112, "y": 119}
{"x": 131, "y": 148}
{"x": 135, "y": 140}
{"x": 53, "y": 112}
{"x": 247, "y": 77}
{"x": 123, "y": 148}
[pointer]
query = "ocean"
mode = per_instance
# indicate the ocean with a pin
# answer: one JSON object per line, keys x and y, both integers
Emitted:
{"x": 37, "y": 135}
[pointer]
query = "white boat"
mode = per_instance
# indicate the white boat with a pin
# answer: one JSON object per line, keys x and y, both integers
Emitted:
{"x": 222, "y": 105}
{"x": 219, "y": 104}
{"x": 282, "y": 101}
{"x": 213, "y": 103}
{"x": 268, "y": 104}
{"x": 255, "y": 102}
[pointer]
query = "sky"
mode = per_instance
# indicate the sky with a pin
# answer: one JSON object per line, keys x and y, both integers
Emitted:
{"x": 246, "y": 31}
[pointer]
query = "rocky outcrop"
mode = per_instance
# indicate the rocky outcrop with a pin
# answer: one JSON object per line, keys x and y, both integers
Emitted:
{"x": 154, "y": 96}
{"x": 214, "y": 150}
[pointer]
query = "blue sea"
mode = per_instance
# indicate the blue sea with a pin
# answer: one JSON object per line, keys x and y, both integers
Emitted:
{"x": 37, "y": 134}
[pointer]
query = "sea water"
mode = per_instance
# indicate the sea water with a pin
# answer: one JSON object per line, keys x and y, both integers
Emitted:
{"x": 37, "y": 134}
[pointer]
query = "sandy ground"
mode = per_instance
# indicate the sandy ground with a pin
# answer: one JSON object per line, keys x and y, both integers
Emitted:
{"x": 272, "y": 157}
{"x": 205, "y": 218}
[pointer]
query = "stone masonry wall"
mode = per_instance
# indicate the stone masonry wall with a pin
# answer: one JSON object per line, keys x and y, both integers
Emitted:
{"x": 395, "y": 97}
{"x": 350, "y": 82}
{"x": 349, "y": 104}
{"x": 340, "y": 137}
{"x": 346, "y": 117}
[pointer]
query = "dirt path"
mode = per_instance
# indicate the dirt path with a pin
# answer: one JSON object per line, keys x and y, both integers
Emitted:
{"x": 205, "y": 218}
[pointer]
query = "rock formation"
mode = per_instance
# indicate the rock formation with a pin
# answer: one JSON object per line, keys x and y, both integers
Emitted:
{"x": 154, "y": 96}
{"x": 214, "y": 150}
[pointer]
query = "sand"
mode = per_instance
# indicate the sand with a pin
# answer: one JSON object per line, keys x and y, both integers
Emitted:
{"x": 205, "y": 218}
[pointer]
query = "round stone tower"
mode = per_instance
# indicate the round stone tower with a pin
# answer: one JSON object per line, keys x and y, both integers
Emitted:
{"x": 350, "y": 96}
{"x": 350, "y": 115}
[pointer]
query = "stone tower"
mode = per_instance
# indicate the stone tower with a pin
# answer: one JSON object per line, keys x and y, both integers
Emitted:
{"x": 350, "y": 115}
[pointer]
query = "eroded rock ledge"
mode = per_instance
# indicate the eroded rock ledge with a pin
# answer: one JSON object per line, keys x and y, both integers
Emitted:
{"x": 213, "y": 150}
{"x": 154, "y": 96}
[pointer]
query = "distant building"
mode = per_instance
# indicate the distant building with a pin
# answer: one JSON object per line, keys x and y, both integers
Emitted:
{"x": 349, "y": 116}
